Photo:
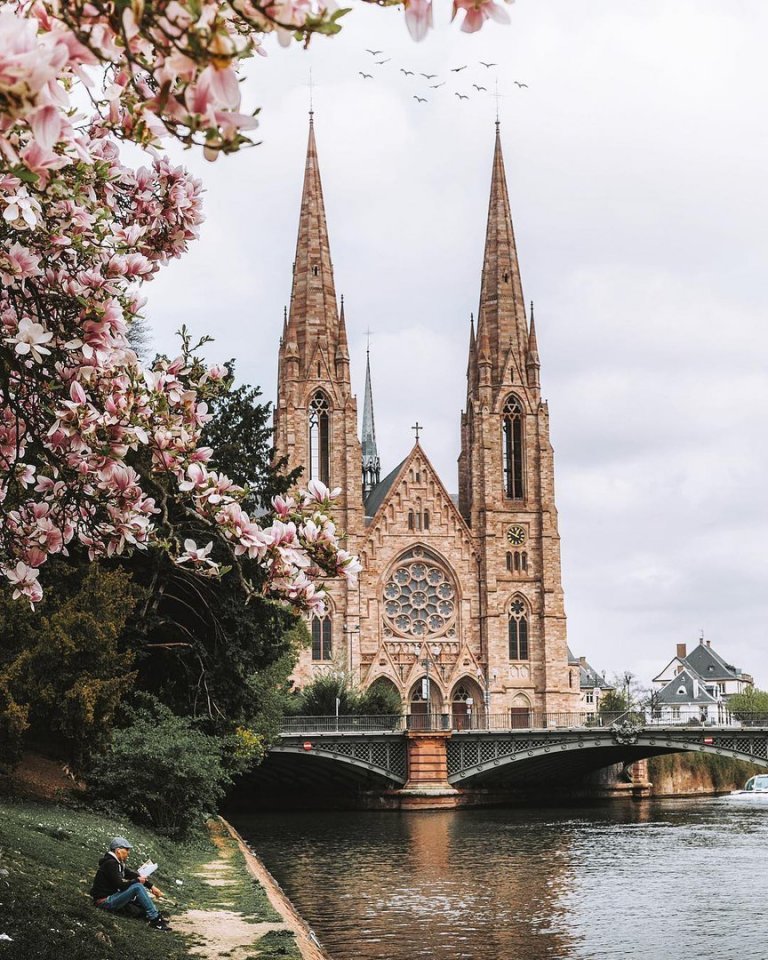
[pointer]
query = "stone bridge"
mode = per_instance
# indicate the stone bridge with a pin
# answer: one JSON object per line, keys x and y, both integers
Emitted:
{"x": 440, "y": 767}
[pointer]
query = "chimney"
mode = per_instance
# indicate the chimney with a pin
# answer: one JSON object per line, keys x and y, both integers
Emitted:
{"x": 582, "y": 661}
{"x": 709, "y": 643}
{"x": 681, "y": 650}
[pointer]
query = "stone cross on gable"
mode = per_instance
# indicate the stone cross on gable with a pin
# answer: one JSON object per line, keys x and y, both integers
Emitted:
{"x": 417, "y": 427}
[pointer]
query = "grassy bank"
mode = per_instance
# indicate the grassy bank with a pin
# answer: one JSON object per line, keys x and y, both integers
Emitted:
{"x": 48, "y": 855}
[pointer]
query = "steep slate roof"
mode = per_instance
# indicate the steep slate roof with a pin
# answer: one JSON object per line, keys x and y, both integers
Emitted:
{"x": 709, "y": 664}
{"x": 377, "y": 496}
{"x": 685, "y": 679}
{"x": 670, "y": 666}
{"x": 589, "y": 678}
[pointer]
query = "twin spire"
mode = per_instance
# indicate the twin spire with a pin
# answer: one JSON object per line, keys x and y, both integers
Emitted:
{"x": 314, "y": 316}
{"x": 501, "y": 325}
{"x": 315, "y": 323}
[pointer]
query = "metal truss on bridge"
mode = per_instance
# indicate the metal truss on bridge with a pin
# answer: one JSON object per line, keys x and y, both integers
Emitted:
{"x": 559, "y": 747}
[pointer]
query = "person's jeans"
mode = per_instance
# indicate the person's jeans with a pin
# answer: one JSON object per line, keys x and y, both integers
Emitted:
{"x": 136, "y": 893}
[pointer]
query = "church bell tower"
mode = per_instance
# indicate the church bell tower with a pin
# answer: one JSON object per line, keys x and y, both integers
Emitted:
{"x": 506, "y": 481}
{"x": 316, "y": 413}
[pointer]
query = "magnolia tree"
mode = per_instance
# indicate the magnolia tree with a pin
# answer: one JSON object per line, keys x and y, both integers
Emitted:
{"x": 92, "y": 444}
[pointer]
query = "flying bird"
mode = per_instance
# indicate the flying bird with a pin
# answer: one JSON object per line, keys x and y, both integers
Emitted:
{"x": 408, "y": 73}
{"x": 518, "y": 84}
{"x": 487, "y": 64}
{"x": 428, "y": 76}
{"x": 479, "y": 88}
{"x": 379, "y": 62}
{"x": 373, "y": 53}
{"x": 457, "y": 69}
{"x": 434, "y": 86}
{"x": 420, "y": 99}
{"x": 461, "y": 96}
{"x": 365, "y": 76}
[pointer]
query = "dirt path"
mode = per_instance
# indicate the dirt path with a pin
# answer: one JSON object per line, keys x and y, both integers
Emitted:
{"x": 222, "y": 934}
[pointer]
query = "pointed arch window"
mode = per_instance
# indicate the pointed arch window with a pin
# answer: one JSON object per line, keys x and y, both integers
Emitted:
{"x": 322, "y": 638}
{"x": 518, "y": 629}
{"x": 512, "y": 443}
{"x": 319, "y": 438}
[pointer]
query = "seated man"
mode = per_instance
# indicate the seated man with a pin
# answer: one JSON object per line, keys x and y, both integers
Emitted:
{"x": 116, "y": 885}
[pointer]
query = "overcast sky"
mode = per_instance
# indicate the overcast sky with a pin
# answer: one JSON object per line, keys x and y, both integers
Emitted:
{"x": 636, "y": 160}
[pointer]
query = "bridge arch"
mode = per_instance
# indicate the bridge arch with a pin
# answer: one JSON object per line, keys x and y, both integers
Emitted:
{"x": 381, "y": 758}
{"x": 548, "y": 755}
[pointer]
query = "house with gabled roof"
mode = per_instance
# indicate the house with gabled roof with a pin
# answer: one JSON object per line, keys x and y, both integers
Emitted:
{"x": 695, "y": 686}
{"x": 592, "y": 684}
{"x": 687, "y": 698}
{"x": 709, "y": 666}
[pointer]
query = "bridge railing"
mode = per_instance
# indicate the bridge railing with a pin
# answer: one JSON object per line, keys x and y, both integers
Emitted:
{"x": 343, "y": 724}
{"x": 522, "y": 720}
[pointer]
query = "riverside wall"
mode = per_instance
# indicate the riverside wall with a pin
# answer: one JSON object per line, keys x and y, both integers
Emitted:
{"x": 309, "y": 945}
{"x": 697, "y": 774}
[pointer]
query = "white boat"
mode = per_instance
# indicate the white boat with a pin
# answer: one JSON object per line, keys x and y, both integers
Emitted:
{"x": 756, "y": 788}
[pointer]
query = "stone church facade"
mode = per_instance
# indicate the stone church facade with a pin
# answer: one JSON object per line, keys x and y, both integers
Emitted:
{"x": 460, "y": 602}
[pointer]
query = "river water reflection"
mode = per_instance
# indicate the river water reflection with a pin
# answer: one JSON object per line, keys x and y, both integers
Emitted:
{"x": 666, "y": 880}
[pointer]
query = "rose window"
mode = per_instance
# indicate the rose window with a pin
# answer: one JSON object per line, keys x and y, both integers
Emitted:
{"x": 419, "y": 597}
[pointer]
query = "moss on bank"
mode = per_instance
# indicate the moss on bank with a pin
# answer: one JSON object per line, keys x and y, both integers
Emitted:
{"x": 685, "y": 773}
{"x": 48, "y": 855}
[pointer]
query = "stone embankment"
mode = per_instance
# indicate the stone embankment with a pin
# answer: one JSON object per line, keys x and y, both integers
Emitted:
{"x": 219, "y": 933}
{"x": 694, "y": 774}
{"x": 310, "y": 947}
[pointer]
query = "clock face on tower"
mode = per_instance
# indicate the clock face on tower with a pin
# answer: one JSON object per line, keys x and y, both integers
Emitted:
{"x": 516, "y": 535}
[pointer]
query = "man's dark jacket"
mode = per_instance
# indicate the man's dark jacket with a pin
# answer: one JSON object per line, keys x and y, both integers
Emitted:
{"x": 112, "y": 877}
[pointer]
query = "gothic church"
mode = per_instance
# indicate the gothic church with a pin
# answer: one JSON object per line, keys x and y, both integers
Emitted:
{"x": 460, "y": 604}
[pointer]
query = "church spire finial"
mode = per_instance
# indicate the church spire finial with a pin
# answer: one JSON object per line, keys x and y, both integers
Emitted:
{"x": 371, "y": 463}
{"x": 532, "y": 361}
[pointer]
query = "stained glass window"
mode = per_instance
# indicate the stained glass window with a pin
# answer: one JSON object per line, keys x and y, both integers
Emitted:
{"x": 420, "y": 597}
{"x": 322, "y": 638}
{"x": 518, "y": 630}
{"x": 512, "y": 441}
{"x": 319, "y": 438}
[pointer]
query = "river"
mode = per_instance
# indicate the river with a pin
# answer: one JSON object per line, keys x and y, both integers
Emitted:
{"x": 660, "y": 880}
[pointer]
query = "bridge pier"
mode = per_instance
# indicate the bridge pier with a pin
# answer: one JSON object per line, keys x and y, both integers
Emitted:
{"x": 427, "y": 786}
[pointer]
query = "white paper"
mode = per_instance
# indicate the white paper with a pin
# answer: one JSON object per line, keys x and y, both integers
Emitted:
{"x": 147, "y": 869}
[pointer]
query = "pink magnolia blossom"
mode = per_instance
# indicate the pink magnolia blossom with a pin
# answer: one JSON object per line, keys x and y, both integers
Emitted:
{"x": 18, "y": 263}
{"x": 418, "y": 18}
{"x": 21, "y": 210}
{"x": 478, "y": 11}
{"x": 82, "y": 422}
{"x": 197, "y": 556}
{"x": 24, "y": 580}
{"x": 30, "y": 339}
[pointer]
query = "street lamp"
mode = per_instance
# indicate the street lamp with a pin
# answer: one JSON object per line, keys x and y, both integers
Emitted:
{"x": 485, "y": 680}
{"x": 428, "y": 662}
{"x": 627, "y": 681}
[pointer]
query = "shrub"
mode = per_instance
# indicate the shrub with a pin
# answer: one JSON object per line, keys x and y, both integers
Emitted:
{"x": 160, "y": 770}
{"x": 318, "y": 698}
{"x": 380, "y": 699}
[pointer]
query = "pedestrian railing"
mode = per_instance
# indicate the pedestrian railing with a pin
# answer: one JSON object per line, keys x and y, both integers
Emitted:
{"x": 511, "y": 720}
